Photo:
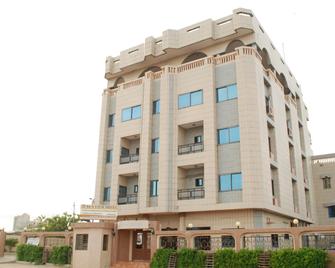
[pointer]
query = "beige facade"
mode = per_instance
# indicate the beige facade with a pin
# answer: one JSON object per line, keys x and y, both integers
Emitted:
{"x": 203, "y": 135}
{"x": 272, "y": 152}
{"x": 324, "y": 186}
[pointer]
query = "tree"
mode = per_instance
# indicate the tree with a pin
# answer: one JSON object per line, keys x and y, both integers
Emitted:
{"x": 55, "y": 223}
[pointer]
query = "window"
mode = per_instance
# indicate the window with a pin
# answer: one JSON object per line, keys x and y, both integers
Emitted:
{"x": 199, "y": 182}
{"x": 226, "y": 93}
{"x": 190, "y": 99}
{"x": 230, "y": 182}
{"x": 111, "y": 120}
{"x": 107, "y": 194}
{"x": 124, "y": 151}
{"x": 202, "y": 242}
{"x": 326, "y": 182}
{"x": 155, "y": 146}
{"x": 105, "y": 243}
{"x": 156, "y": 107}
{"x": 331, "y": 212}
{"x": 154, "y": 188}
{"x": 131, "y": 113}
{"x": 135, "y": 188}
{"x": 229, "y": 135}
{"x": 81, "y": 241}
{"x": 109, "y": 156}
{"x": 122, "y": 191}
{"x": 198, "y": 139}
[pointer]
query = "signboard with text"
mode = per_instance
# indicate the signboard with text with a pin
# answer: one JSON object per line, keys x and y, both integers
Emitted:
{"x": 98, "y": 212}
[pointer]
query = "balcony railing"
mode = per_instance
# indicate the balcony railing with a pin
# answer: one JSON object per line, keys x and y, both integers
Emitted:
{"x": 129, "y": 158}
{"x": 194, "y": 193}
{"x": 127, "y": 199}
{"x": 190, "y": 148}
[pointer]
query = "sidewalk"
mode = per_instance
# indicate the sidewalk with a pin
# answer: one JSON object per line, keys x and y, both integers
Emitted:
{"x": 8, "y": 258}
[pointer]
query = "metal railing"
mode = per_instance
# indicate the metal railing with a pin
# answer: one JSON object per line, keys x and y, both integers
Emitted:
{"x": 174, "y": 242}
{"x": 321, "y": 241}
{"x": 127, "y": 199}
{"x": 193, "y": 193}
{"x": 129, "y": 158}
{"x": 268, "y": 242}
{"x": 190, "y": 148}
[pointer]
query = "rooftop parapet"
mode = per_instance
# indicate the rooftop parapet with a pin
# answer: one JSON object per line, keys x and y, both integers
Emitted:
{"x": 240, "y": 23}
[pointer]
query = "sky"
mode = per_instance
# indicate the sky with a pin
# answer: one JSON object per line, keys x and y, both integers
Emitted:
{"x": 52, "y": 56}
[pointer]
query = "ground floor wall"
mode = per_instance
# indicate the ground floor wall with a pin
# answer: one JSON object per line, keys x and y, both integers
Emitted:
{"x": 217, "y": 220}
{"x": 2, "y": 242}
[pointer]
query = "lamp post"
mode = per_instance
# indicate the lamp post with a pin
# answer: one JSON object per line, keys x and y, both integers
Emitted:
{"x": 295, "y": 222}
{"x": 238, "y": 224}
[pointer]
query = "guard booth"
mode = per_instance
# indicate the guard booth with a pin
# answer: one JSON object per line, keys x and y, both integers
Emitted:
{"x": 103, "y": 241}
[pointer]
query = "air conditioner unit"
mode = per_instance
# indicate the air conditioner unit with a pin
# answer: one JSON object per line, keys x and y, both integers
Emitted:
{"x": 289, "y": 131}
{"x": 293, "y": 171}
{"x": 270, "y": 111}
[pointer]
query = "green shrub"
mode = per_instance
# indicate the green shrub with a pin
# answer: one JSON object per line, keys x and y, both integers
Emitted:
{"x": 161, "y": 257}
{"x": 60, "y": 255}
{"x": 225, "y": 258}
{"x": 248, "y": 258}
{"x": 11, "y": 242}
{"x": 301, "y": 258}
{"x": 228, "y": 258}
{"x": 190, "y": 258}
{"x": 29, "y": 253}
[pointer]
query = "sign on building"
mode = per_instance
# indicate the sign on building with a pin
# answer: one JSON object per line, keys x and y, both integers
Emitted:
{"x": 98, "y": 212}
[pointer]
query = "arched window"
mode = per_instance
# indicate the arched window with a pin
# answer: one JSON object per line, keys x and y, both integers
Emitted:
{"x": 282, "y": 79}
{"x": 153, "y": 69}
{"x": 194, "y": 56}
{"x": 118, "y": 81}
{"x": 266, "y": 62}
{"x": 233, "y": 45}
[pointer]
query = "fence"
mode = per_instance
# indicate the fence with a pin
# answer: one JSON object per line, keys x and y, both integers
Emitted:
{"x": 322, "y": 237}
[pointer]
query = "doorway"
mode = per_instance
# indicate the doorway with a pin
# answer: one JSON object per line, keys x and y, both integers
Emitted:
{"x": 141, "y": 245}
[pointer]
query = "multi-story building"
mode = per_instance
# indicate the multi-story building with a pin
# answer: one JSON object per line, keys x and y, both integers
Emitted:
{"x": 203, "y": 128}
{"x": 324, "y": 186}
{"x": 21, "y": 222}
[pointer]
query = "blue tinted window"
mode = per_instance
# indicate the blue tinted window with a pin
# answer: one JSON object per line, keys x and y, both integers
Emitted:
{"x": 232, "y": 92}
{"x": 225, "y": 183}
{"x": 236, "y": 181}
{"x": 234, "y": 134}
{"x": 155, "y": 145}
{"x": 109, "y": 156}
{"x": 156, "y": 109}
{"x": 154, "y": 188}
{"x": 107, "y": 194}
{"x": 196, "y": 97}
{"x": 184, "y": 100}
{"x": 221, "y": 94}
{"x": 223, "y": 136}
{"x": 331, "y": 212}
{"x": 126, "y": 114}
{"x": 136, "y": 112}
{"x": 111, "y": 120}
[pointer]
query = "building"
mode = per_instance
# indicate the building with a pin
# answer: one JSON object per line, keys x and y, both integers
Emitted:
{"x": 202, "y": 128}
{"x": 324, "y": 185}
{"x": 21, "y": 222}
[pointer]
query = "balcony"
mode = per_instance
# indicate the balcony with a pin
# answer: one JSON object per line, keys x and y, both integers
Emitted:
{"x": 129, "y": 158}
{"x": 190, "y": 148}
{"x": 127, "y": 199}
{"x": 193, "y": 193}
{"x": 190, "y": 138}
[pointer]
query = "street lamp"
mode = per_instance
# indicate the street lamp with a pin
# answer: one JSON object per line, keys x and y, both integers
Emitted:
{"x": 238, "y": 224}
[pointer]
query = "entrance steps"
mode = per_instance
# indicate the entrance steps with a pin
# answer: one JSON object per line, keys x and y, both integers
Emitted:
{"x": 264, "y": 260}
{"x": 209, "y": 263}
{"x": 172, "y": 260}
{"x": 132, "y": 264}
